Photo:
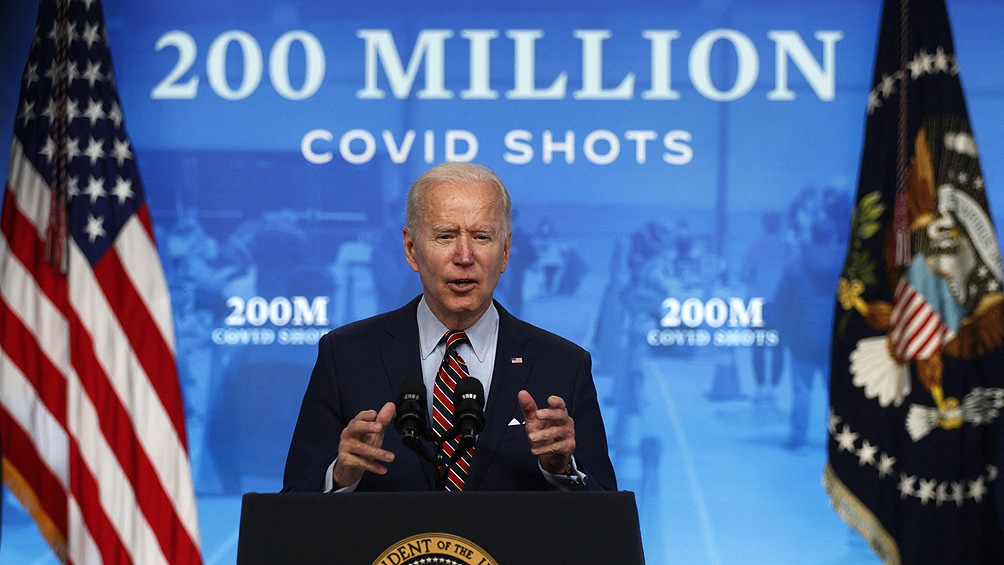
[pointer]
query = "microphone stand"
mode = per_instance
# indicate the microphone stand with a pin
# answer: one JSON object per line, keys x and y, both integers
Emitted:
{"x": 441, "y": 463}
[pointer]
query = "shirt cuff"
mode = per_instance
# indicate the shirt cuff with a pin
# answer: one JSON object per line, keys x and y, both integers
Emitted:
{"x": 329, "y": 480}
{"x": 574, "y": 479}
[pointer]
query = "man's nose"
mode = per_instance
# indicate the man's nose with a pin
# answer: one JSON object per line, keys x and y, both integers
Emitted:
{"x": 463, "y": 252}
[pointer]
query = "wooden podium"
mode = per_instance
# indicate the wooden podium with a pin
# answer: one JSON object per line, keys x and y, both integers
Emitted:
{"x": 470, "y": 528}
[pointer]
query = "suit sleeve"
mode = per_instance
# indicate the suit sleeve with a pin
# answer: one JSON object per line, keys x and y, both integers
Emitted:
{"x": 318, "y": 427}
{"x": 591, "y": 454}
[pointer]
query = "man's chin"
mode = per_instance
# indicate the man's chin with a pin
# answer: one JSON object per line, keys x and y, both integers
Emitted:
{"x": 463, "y": 306}
{"x": 466, "y": 305}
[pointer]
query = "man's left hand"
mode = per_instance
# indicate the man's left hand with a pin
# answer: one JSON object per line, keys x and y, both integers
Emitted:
{"x": 551, "y": 431}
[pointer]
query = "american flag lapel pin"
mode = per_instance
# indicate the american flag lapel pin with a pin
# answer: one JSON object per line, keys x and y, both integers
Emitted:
{"x": 515, "y": 360}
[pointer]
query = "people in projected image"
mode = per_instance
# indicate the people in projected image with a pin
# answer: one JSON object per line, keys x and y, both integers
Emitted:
{"x": 245, "y": 443}
{"x": 805, "y": 300}
{"x": 393, "y": 281}
{"x": 522, "y": 257}
{"x": 761, "y": 271}
{"x": 196, "y": 266}
{"x": 457, "y": 236}
{"x": 641, "y": 275}
{"x": 558, "y": 267}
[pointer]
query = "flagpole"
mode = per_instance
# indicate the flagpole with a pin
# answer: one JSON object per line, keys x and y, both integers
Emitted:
{"x": 901, "y": 220}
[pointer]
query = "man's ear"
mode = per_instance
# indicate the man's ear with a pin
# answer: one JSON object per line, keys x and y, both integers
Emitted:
{"x": 409, "y": 249}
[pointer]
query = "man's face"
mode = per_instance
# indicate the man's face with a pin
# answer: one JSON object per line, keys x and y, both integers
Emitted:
{"x": 459, "y": 249}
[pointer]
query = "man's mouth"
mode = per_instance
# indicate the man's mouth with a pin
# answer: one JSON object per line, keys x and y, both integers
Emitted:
{"x": 462, "y": 284}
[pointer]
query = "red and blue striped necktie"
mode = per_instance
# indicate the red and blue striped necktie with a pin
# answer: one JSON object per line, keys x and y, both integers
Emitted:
{"x": 450, "y": 372}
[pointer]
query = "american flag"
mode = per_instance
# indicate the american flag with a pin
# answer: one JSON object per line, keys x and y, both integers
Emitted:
{"x": 91, "y": 416}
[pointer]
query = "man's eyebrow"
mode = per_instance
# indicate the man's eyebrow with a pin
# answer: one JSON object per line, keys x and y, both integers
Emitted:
{"x": 454, "y": 229}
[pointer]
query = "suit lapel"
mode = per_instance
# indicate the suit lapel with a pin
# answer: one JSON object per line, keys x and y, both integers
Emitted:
{"x": 508, "y": 378}
{"x": 399, "y": 348}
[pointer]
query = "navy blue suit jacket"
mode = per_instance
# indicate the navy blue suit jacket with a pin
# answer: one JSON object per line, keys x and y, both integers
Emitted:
{"x": 360, "y": 366}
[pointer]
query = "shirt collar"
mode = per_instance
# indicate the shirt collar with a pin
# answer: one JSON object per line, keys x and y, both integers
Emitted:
{"x": 431, "y": 330}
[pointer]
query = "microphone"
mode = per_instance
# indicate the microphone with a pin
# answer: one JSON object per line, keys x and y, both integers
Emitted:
{"x": 468, "y": 410}
{"x": 410, "y": 419}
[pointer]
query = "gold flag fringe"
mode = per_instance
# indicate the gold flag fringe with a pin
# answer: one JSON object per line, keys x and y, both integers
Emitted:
{"x": 22, "y": 490}
{"x": 858, "y": 516}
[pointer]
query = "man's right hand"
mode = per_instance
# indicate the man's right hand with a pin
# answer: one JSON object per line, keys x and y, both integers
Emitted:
{"x": 360, "y": 446}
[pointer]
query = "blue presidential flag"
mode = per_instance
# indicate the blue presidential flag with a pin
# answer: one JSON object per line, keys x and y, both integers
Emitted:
{"x": 917, "y": 382}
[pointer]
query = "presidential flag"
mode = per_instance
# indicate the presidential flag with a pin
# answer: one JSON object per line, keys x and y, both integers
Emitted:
{"x": 917, "y": 381}
{"x": 91, "y": 416}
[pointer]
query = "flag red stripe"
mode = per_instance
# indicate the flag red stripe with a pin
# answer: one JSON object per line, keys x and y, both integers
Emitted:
{"x": 917, "y": 345}
{"x": 904, "y": 308}
{"x": 19, "y": 450}
{"x": 139, "y": 327}
{"x": 84, "y": 488}
{"x": 905, "y": 293}
{"x": 143, "y": 215}
{"x": 911, "y": 306}
{"x": 25, "y": 244}
{"x": 916, "y": 315}
{"x": 919, "y": 328}
{"x": 23, "y": 351}
{"x": 932, "y": 346}
{"x": 922, "y": 326}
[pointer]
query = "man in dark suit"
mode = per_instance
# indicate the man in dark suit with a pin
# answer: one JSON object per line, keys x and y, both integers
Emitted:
{"x": 457, "y": 237}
